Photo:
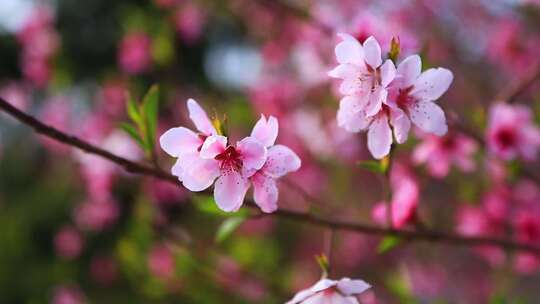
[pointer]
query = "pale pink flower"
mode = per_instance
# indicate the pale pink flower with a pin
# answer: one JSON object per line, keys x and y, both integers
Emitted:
{"x": 68, "y": 242}
{"x": 329, "y": 291}
{"x": 280, "y": 161}
{"x": 96, "y": 215}
{"x": 511, "y": 132}
{"x": 189, "y": 21}
{"x": 414, "y": 92}
{"x": 364, "y": 75}
{"x": 405, "y": 196}
{"x": 439, "y": 153}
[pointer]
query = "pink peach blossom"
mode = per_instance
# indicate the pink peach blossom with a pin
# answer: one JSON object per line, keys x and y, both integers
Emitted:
{"x": 68, "y": 242}
{"x": 405, "y": 196}
{"x": 511, "y": 132}
{"x": 439, "y": 153}
{"x": 161, "y": 262}
{"x": 68, "y": 295}
{"x": 280, "y": 161}
{"x": 329, "y": 291}
{"x": 414, "y": 92}
{"x": 134, "y": 54}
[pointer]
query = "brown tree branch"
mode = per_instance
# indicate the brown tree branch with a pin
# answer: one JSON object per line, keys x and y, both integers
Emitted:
{"x": 134, "y": 167}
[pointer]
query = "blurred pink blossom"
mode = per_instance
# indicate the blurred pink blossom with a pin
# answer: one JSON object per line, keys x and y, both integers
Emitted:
{"x": 512, "y": 133}
{"x": 161, "y": 262}
{"x": 405, "y": 195}
{"x": 96, "y": 215}
{"x": 68, "y": 295}
{"x": 68, "y": 242}
{"x": 134, "y": 53}
{"x": 189, "y": 20}
{"x": 439, "y": 153}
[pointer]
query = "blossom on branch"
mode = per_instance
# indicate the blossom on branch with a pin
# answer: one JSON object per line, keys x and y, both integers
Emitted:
{"x": 328, "y": 291}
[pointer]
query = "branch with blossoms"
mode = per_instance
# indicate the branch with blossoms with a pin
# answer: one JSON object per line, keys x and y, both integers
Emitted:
{"x": 302, "y": 217}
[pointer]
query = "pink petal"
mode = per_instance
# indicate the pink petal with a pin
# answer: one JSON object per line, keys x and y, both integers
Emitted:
{"x": 199, "y": 118}
{"x": 230, "y": 190}
{"x": 372, "y": 52}
{"x": 178, "y": 169}
{"x": 352, "y": 287}
{"x": 281, "y": 160}
{"x": 253, "y": 154}
{"x": 212, "y": 146}
{"x": 409, "y": 70}
{"x": 429, "y": 117}
{"x": 401, "y": 124}
{"x": 350, "y": 116}
{"x": 266, "y": 131}
{"x": 198, "y": 174}
{"x": 303, "y": 295}
{"x": 432, "y": 83}
{"x": 388, "y": 73}
{"x": 349, "y": 50}
{"x": 179, "y": 140}
{"x": 265, "y": 192}
{"x": 344, "y": 71}
{"x": 379, "y": 137}
{"x": 376, "y": 100}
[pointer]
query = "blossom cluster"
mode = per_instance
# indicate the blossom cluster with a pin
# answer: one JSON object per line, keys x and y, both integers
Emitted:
{"x": 384, "y": 99}
{"x": 207, "y": 156}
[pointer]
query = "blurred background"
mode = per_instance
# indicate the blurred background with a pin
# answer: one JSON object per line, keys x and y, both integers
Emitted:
{"x": 77, "y": 229}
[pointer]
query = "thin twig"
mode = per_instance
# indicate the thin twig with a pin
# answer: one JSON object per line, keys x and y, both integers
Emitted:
{"x": 133, "y": 167}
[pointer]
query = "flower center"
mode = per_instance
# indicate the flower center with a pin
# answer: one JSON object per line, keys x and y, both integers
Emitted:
{"x": 506, "y": 138}
{"x": 403, "y": 99}
{"x": 448, "y": 142}
{"x": 231, "y": 159}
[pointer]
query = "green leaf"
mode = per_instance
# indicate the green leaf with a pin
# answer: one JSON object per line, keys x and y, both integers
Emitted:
{"x": 132, "y": 110}
{"x": 388, "y": 243}
{"x": 150, "y": 112}
{"x": 371, "y": 165}
{"x": 394, "y": 49}
{"x": 132, "y": 131}
{"x": 206, "y": 204}
{"x": 227, "y": 227}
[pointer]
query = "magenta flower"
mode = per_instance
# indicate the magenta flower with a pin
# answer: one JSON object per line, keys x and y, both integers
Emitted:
{"x": 414, "y": 92}
{"x": 364, "y": 75}
{"x": 161, "y": 262}
{"x": 512, "y": 133}
{"x": 328, "y": 291}
{"x": 439, "y": 153}
{"x": 68, "y": 242}
{"x": 405, "y": 196}
{"x": 68, "y": 295}
{"x": 281, "y": 160}
{"x": 134, "y": 53}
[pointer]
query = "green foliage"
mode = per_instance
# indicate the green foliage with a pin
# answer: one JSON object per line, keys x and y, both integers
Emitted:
{"x": 395, "y": 49}
{"x": 388, "y": 243}
{"x": 227, "y": 227}
{"x": 379, "y": 167}
{"x": 143, "y": 116}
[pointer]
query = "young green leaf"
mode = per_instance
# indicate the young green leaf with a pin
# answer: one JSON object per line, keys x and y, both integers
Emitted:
{"x": 373, "y": 166}
{"x": 132, "y": 131}
{"x": 132, "y": 109}
{"x": 150, "y": 112}
{"x": 388, "y": 243}
{"x": 227, "y": 227}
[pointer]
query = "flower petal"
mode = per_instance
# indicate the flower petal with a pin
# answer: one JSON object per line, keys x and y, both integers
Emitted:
{"x": 199, "y": 118}
{"x": 372, "y": 52}
{"x": 198, "y": 174}
{"x": 376, "y": 100}
{"x": 349, "y": 50}
{"x": 429, "y": 117}
{"x": 388, "y": 73}
{"x": 379, "y": 137}
{"x": 281, "y": 160}
{"x": 344, "y": 71}
{"x": 432, "y": 83}
{"x": 253, "y": 155}
{"x": 350, "y": 115}
{"x": 179, "y": 140}
{"x": 400, "y": 123}
{"x": 265, "y": 192}
{"x": 230, "y": 190}
{"x": 212, "y": 146}
{"x": 266, "y": 131}
{"x": 409, "y": 70}
{"x": 350, "y": 287}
